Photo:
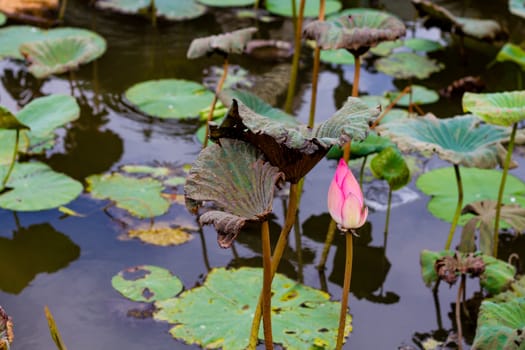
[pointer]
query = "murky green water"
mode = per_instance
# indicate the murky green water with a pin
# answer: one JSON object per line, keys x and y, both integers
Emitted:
{"x": 67, "y": 263}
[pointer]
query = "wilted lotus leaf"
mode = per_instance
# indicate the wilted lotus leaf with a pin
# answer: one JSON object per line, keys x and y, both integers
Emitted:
{"x": 498, "y": 275}
{"x": 162, "y": 236}
{"x": 146, "y": 283}
{"x": 423, "y": 45}
{"x": 311, "y": 8}
{"x": 439, "y": 16}
{"x": 6, "y": 330}
{"x": 420, "y": 95}
{"x": 516, "y": 290}
{"x": 227, "y": 3}
{"x": 237, "y": 181}
{"x": 517, "y": 7}
{"x": 501, "y": 325}
{"x": 295, "y": 149}
{"x": 356, "y": 30}
{"x": 500, "y": 108}
{"x": 512, "y": 53}
{"x": 389, "y": 165}
{"x": 484, "y": 214}
{"x": 427, "y": 260}
{"x": 219, "y": 313}
{"x": 461, "y": 140}
{"x": 167, "y": 9}
{"x": 269, "y": 50}
{"x": 59, "y": 55}
{"x": 478, "y": 184}
{"x": 223, "y": 44}
{"x": 449, "y": 268}
{"x": 407, "y": 65}
{"x": 35, "y": 186}
{"x": 140, "y": 197}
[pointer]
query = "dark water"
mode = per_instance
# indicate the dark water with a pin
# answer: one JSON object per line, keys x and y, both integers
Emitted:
{"x": 68, "y": 263}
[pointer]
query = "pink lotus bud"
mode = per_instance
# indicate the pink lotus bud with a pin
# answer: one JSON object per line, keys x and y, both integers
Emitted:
{"x": 345, "y": 199}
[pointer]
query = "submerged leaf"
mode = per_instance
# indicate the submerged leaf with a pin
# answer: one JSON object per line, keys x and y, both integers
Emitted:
{"x": 237, "y": 181}
{"x": 223, "y": 44}
{"x": 146, "y": 283}
{"x": 161, "y": 236}
{"x": 219, "y": 313}
{"x": 407, "y": 65}
{"x": 390, "y": 165}
{"x": 500, "y": 108}
{"x": 423, "y": 45}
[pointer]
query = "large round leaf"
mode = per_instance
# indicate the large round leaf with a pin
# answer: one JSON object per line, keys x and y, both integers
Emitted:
{"x": 12, "y": 37}
{"x": 517, "y": 7}
{"x": 512, "y": 53}
{"x": 390, "y": 165}
{"x": 311, "y": 8}
{"x": 35, "y": 186}
{"x": 227, "y": 3}
{"x": 407, "y": 65}
{"x": 168, "y": 9}
{"x": 141, "y": 197}
{"x": 170, "y": 98}
{"x": 500, "y": 108}
{"x": 224, "y": 44}
{"x": 420, "y": 96}
{"x": 219, "y": 313}
{"x": 60, "y": 55}
{"x": 478, "y": 184}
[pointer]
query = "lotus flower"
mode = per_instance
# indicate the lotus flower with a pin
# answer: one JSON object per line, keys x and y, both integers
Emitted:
{"x": 345, "y": 199}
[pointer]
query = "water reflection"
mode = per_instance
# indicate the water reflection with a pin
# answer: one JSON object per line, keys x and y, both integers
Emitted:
{"x": 21, "y": 85}
{"x": 32, "y": 250}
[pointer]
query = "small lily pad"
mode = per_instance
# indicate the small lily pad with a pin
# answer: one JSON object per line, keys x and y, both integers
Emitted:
{"x": 146, "y": 283}
{"x": 140, "y": 197}
{"x": 512, "y": 53}
{"x": 161, "y": 236}
{"x": 407, "y": 65}
{"x": 337, "y": 56}
{"x": 386, "y": 47}
{"x": 227, "y": 3}
{"x": 390, "y": 165}
{"x": 170, "y": 98}
{"x": 219, "y": 313}
{"x": 167, "y": 9}
{"x": 311, "y": 8}
{"x": 420, "y": 95}
{"x": 422, "y": 45}
{"x": 500, "y": 108}
{"x": 35, "y": 186}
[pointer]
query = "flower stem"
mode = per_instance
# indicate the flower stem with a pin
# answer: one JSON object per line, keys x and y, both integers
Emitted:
{"x": 276, "y": 258}
{"x": 13, "y": 160}
{"x": 458, "y": 312}
{"x": 295, "y": 60}
{"x": 214, "y": 102}
{"x": 315, "y": 73}
{"x": 458, "y": 208}
{"x": 267, "y": 286}
{"x": 502, "y": 187}
{"x": 357, "y": 70}
{"x": 346, "y": 290}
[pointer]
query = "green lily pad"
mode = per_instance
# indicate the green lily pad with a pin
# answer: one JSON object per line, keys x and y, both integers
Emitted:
{"x": 501, "y": 325}
{"x": 478, "y": 184}
{"x": 423, "y": 45}
{"x": 9, "y": 122}
{"x": 372, "y": 144}
{"x": 223, "y": 44}
{"x": 35, "y": 186}
{"x": 461, "y": 140}
{"x": 394, "y": 115}
{"x": 3, "y": 19}
{"x": 170, "y": 98}
{"x": 517, "y": 7}
{"x": 420, "y": 96}
{"x": 147, "y": 283}
{"x": 498, "y": 274}
{"x": 237, "y": 181}
{"x": 167, "y": 9}
{"x": 219, "y": 313}
{"x": 338, "y": 56}
{"x": 60, "y": 55}
{"x": 512, "y": 53}
{"x": 407, "y": 65}
{"x": 12, "y": 37}
{"x": 140, "y": 197}
{"x": 356, "y": 30}
{"x": 311, "y": 8}
{"x": 427, "y": 260}
{"x": 390, "y": 165}
{"x": 227, "y": 3}
{"x": 385, "y": 48}
{"x": 515, "y": 290}
{"x": 500, "y": 108}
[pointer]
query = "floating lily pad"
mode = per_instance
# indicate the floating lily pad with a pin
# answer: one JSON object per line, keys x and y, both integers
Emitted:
{"x": 12, "y": 37}
{"x": 302, "y": 317}
{"x": 478, "y": 184}
{"x": 390, "y": 165}
{"x": 394, "y": 115}
{"x": 223, "y": 44}
{"x": 372, "y": 144}
{"x": 407, "y": 65}
{"x": 517, "y": 7}
{"x": 311, "y": 8}
{"x": 338, "y": 56}
{"x": 9, "y": 122}
{"x": 501, "y": 325}
{"x": 461, "y": 140}
{"x": 385, "y": 48}
{"x": 423, "y": 45}
{"x": 140, "y": 197}
{"x": 146, "y": 283}
{"x": 227, "y": 3}
{"x": 237, "y": 181}
{"x": 169, "y": 175}
{"x": 356, "y": 30}
{"x": 161, "y": 236}
{"x": 35, "y": 186}
{"x": 60, "y": 55}
{"x": 512, "y": 53}
{"x": 167, "y": 9}
{"x": 500, "y": 108}
{"x": 420, "y": 96}
{"x": 170, "y": 98}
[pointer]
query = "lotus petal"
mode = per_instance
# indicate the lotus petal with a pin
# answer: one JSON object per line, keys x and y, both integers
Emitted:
{"x": 223, "y": 44}
{"x": 500, "y": 108}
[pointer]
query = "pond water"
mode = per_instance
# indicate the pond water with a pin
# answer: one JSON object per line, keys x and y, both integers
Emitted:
{"x": 67, "y": 263}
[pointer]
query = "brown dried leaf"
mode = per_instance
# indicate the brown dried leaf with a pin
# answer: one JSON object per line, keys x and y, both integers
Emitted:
{"x": 223, "y": 44}
{"x": 6, "y": 330}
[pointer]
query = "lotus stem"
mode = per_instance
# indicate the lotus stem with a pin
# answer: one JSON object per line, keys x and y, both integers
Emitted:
{"x": 410, "y": 99}
{"x": 276, "y": 258}
{"x": 457, "y": 214}
{"x": 214, "y": 102}
{"x": 327, "y": 243}
{"x": 357, "y": 70}
{"x": 267, "y": 286}
{"x": 362, "y": 171}
{"x": 390, "y": 106}
{"x": 388, "y": 207}
{"x": 204, "y": 249}
{"x": 299, "y": 250}
{"x": 346, "y": 290}
{"x": 153, "y": 14}
{"x": 502, "y": 187}
{"x": 295, "y": 60}
{"x": 458, "y": 312}
{"x": 315, "y": 73}
{"x": 13, "y": 160}
{"x": 62, "y": 11}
